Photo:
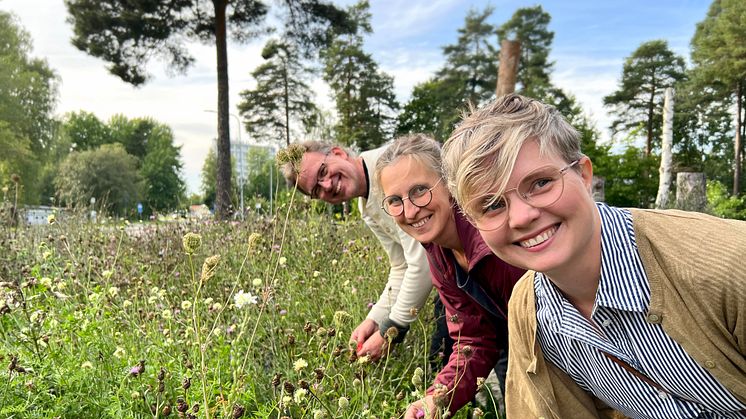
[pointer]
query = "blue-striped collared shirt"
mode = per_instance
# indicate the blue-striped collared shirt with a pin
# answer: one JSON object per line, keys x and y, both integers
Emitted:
{"x": 570, "y": 342}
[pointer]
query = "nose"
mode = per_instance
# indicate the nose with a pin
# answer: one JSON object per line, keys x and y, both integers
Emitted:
{"x": 325, "y": 183}
{"x": 521, "y": 214}
{"x": 410, "y": 209}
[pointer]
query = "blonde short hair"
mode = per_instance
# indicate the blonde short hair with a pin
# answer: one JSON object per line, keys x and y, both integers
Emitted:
{"x": 481, "y": 152}
{"x": 420, "y": 147}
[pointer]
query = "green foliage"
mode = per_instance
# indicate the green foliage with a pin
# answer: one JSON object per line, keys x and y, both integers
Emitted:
{"x": 107, "y": 173}
{"x": 647, "y": 73}
{"x": 469, "y": 75}
{"x": 89, "y": 303}
{"x": 718, "y": 53}
{"x": 151, "y": 144}
{"x": 631, "y": 178}
{"x": 281, "y": 99}
{"x": 28, "y": 91}
{"x": 724, "y": 205}
{"x": 363, "y": 94}
{"x": 84, "y": 131}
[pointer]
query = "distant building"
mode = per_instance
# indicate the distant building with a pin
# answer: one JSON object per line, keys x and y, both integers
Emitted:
{"x": 38, "y": 214}
{"x": 239, "y": 151}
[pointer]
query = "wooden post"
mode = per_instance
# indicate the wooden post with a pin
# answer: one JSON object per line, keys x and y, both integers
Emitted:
{"x": 691, "y": 191}
{"x": 664, "y": 181}
{"x": 510, "y": 54}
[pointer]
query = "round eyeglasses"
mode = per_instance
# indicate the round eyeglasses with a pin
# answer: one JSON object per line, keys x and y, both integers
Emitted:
{"x": 420, "y": 196}
{"x": 539, "y": 188}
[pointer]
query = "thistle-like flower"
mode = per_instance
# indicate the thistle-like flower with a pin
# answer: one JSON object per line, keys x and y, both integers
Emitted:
{"x": 417, "y": 377}
{"x": 138, "y": 369}
{"x": 208, "y": 268}
{"x": 191, "y": 242}
{"x": 391, "y": 333}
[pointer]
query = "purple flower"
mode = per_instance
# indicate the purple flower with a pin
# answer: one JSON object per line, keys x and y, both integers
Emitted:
{"x": 137, "y": 369}
{"x": 370, "y": 305}
{"x": 283, "y": 312}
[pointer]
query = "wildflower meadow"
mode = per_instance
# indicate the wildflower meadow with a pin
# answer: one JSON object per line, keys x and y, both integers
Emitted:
{"x": 200, "y": 319}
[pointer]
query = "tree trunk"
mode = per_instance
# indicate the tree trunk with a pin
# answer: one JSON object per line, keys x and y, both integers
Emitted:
{"x": 510, "y": 53}
{"x": 649, "y": 123}
{"x": 738, "y": 147}
{"x": 664, "y": 181}
{"x": 691, "y": 191}
{"x": 287, "y": 105}
{"x": 223, "y": 186}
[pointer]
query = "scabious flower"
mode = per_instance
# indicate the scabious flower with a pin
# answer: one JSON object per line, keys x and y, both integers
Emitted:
{"x": 191, "y": 242}
{"x": 254, "y": 240}
{"x": 341, "y": 318}
{"x": 46, "y": 281}
{"x": 316, "y": 274}
{"x": 119, "y": 352}
{"x": 300, "y": 395}
{"x": 166, "y": 314}
{"x": 257, "y": 282}
{"x": 242, "y": 299}
{"x": 300, "y": 364}
{"x": 113, "y": 291}
{"x": 86, "y": 364}
{"x": 51, "y": 219}
{"x": 343, "y": 403}
{"x": 283, "y": 260}
{"x": 186, "y": 305}
{"x": 417, "y": 377}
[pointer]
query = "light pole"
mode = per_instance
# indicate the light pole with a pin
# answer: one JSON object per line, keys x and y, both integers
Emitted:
{"x": 240, "y": 157}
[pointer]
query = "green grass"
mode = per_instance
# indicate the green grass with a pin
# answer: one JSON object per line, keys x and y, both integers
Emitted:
{"x": 84, "y": 304}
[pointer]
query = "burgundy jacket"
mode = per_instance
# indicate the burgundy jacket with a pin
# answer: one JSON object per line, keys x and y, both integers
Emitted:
{"x": 476, "y": 305}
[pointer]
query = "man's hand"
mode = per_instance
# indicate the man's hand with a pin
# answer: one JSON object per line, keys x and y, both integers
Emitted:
{"x": 421, "y": 409}
{"x": 369, "y": 340}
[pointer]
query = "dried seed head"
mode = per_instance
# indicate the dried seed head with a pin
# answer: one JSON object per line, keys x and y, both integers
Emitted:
{"x": 289, "y": 387}
{"x": 191, "y": 242}
{"x": 195, "y": 408}
{"x": 166, "y": 411}
{"x": 15, "y": 178}
{"x": 308, "y": 327}
{"x": 208, "y": 268}
{"x": 186, "y": 383}
{"x": 276, "y": 379}
{"x": 238, "y": 411}
{"x": 319, "y": 373}
{"x": 303, "y": 384}
{"x": 391, "y": 333}
{"x": 181, "y": 405}
{"x": 161, "y": 374}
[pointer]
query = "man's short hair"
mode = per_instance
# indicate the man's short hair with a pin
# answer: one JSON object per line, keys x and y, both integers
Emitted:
{"x": 290, "y": 171}
{"x": 482, "y": 150}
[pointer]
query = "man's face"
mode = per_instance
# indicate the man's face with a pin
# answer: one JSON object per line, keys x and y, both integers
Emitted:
{"x": 332, "y": 177}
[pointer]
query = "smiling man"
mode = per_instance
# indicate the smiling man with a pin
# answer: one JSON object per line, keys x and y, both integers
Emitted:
{"x": 334, "y": 175}
{"x": 632, "y": 311}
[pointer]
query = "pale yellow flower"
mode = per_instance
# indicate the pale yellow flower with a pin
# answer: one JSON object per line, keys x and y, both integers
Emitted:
{"x": 300, "y": 364}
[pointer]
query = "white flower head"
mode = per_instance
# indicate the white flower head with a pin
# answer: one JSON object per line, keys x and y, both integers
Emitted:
{"x": 283, "y": 260}
{"x": 300, "y": 364}
{"x": 242, "y": 299}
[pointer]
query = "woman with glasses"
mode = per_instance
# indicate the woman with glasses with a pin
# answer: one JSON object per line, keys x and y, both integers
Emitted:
{"x": 624, "y": 311}
{"x": 474, "y": 285}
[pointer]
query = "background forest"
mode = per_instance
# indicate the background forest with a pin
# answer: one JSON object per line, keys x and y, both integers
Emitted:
{"x": 66, "y": 160}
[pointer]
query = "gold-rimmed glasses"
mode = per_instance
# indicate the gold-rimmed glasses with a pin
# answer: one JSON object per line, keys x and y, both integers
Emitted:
{"x": 540, "y": 188}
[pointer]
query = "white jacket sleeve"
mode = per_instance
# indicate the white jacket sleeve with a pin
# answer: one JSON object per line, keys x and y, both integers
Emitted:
{"x": 409, "y": 282}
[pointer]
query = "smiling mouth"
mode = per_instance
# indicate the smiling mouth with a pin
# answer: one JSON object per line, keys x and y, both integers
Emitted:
{"x": 541, "y": 238}
{"x": 338, "y": 188}
{"x": 422, "y": 222}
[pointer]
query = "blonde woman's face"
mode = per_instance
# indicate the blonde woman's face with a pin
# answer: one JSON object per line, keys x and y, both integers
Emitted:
{"x": 550, "y": 239}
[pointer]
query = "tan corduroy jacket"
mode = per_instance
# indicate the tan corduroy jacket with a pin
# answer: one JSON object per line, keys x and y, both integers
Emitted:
{"x": 696, "y": 266}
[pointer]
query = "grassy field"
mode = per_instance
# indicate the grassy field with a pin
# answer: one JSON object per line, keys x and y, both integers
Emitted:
{"x": 139, "y": 321}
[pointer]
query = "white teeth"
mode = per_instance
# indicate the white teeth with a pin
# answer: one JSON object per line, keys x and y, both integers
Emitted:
{"x": 339, "y": 186}
{"x": 420, "y": 223}
{"x": 541, "y": 238}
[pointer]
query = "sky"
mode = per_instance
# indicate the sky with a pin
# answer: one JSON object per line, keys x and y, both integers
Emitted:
{"x": 592, "y": 39}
